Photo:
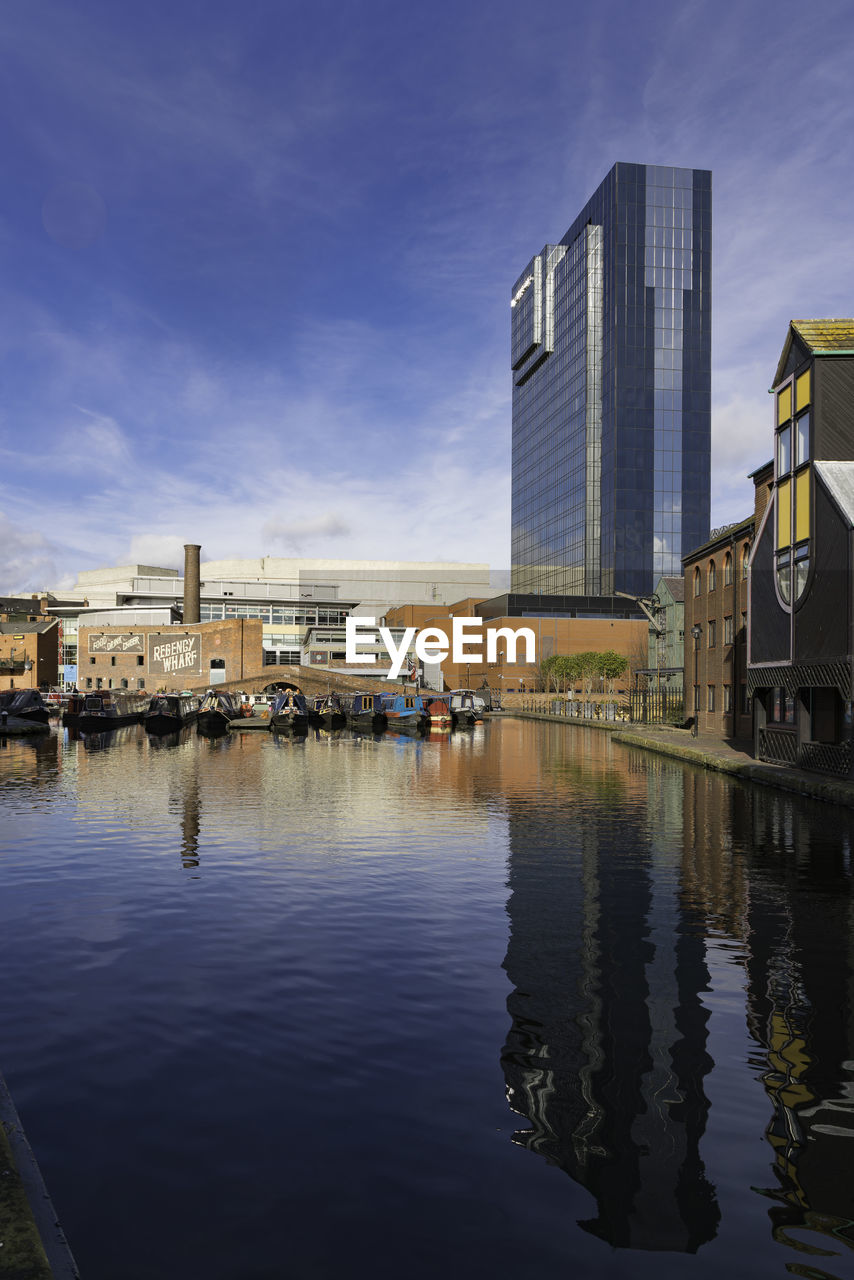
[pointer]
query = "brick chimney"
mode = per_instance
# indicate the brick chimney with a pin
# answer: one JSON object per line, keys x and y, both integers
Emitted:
{"x": 192, "y": 583}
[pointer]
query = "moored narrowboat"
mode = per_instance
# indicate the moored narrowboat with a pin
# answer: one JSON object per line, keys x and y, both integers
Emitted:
{"x": 169, "y": 712}
{"x": 25, "y": 704}
{"x": 289, "y": 713}
{"x": 405, "y": 712}
{"x": 328, "y": 712}
{"x": 461, "y": 702}
{"x": 363, "y": 711}
{"x": 215, "y": 713}
{"x": 98, "y": 710}
{"x": 438, "y": 712}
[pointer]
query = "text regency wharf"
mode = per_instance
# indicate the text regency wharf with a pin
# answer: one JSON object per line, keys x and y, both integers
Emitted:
{"x": 432, "y": 643}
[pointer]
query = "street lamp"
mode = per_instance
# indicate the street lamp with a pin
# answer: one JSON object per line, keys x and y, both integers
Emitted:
{"x": 696, "y": 632}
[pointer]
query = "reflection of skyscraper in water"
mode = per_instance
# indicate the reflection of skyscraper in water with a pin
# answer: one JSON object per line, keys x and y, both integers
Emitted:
{"x": 606, "y": 1054}
{"x": 800, "y": 1011}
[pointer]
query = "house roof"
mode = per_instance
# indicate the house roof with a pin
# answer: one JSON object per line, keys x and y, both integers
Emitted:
{"x": 838, "y": 479}
{"x": 820, "y": 337}
{"x": 719, "y": 536}
{"x": 676, "y": 587}
{"x": 26, "y": 628}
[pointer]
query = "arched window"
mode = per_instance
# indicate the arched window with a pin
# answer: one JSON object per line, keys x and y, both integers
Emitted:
{"x": 711, "y": 576}
{"x": 745, "y": 559}
{"x": 727, "y": 570}
{"x": 696, "y": 582}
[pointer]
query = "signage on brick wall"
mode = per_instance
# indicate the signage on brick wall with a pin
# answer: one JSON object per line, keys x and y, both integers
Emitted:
{"x": 112, "y": 643}
{"x": 171, "y": 654}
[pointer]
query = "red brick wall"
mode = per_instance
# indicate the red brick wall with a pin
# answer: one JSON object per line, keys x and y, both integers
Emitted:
{"x": 237, "y": 642}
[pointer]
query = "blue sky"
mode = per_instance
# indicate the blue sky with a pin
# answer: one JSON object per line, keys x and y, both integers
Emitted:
{"x": 256, "y": 258}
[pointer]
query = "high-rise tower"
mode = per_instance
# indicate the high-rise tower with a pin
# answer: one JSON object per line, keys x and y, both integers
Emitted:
{"x": 611, "y": 343}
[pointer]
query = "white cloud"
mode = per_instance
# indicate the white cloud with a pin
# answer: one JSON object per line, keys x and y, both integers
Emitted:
{"x": 29, "y": 560}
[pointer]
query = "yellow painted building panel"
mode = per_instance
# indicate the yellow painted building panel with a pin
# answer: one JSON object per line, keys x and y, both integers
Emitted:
{"x": 802, "y": 391}
{"x": 784, "y": 514}
{"x": 784, "y": 405}
{"x": 802, "y": 506}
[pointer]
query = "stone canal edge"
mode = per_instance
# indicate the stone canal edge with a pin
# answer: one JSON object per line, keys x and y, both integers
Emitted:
{"x": 710, "y": 753}
{"x": 32, "y": 1243}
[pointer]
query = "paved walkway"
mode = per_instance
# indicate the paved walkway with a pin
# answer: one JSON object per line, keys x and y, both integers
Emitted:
{"x": 725, "y": 756}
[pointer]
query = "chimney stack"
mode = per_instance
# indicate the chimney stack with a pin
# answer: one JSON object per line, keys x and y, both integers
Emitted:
{"x": 192, "y": 583}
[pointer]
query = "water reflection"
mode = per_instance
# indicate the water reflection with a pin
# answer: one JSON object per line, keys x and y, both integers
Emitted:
{"x": 606, "y": 1056}
{"x": 612, "y": 914}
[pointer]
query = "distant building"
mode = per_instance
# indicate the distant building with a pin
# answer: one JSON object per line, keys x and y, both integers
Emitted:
{"x": 667, "y": 634}
{"x": 610, "y": 352}
{"x": 143, "y": 655}
{"x": 715, "y": 658}
{"x": 572, "y": 627}
{"x": 288, "y": 596}
{"x": 29, "y": 652}
{"x": 801, "y": 664}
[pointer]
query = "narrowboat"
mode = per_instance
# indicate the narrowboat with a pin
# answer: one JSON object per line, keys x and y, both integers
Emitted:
{"x": 363, "y": 711}
{"x": 438, "y": 712}
{"x": 289, "y": 713}
{"x": 215, "y": 712}
{"x": 24, "y": 704}
{"x": 462, "y": 708}
{"x": 328, "y": 712}
{"x": 98, "y": 710}
{"x": 470, "y": 697}
{"x": 405, "y": 712}
{"x": 169, "y": 712}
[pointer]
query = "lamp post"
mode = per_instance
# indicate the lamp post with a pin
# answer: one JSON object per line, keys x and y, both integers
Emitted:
{"x": 696, "y": 632}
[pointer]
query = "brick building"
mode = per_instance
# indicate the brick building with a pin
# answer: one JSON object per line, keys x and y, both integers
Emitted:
{"x": 172, "y": 658}
{"x": 29, "y": 652}
{"x": 715, "y": 626}
{"x": 566, "y": 632}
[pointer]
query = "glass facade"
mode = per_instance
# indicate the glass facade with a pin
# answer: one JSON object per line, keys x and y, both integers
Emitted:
{"x": 611, "y": 352}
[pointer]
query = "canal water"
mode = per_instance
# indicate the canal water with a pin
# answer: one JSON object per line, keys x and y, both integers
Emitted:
{"x": 515, "y": 1002}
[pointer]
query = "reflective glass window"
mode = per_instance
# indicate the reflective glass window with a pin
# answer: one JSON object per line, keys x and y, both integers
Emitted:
{"x": 784, "y": 451}
{"x": 801, "y": 569}
{"x": 802, "y": 439}
{"x": 784, "y": 576}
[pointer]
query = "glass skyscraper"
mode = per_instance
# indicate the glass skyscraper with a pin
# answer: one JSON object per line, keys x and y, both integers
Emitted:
{"x": 611, "y": 354}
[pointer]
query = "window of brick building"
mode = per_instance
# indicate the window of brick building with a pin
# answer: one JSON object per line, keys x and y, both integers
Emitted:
{"x": 697, "y": 586}
{"x": 696, "y": 697}
{"x": 112, "y": 661}
{"x": 727, "y": 570}
{"x": 728, "y": 632}
{"x": 745, "y": 701}
{"x": 727, "y": 698}
{"x": 711, "y": 575}
{"x": 710, "y": 703}
{"x": 712, "y": 634}
{"x": 91, "y": 662}
{"x": 745, "y": 559}
{"x": 140, "y": 662}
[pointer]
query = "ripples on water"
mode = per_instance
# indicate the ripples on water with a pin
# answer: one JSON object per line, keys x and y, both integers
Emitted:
{"x": 515, "y": 1002}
